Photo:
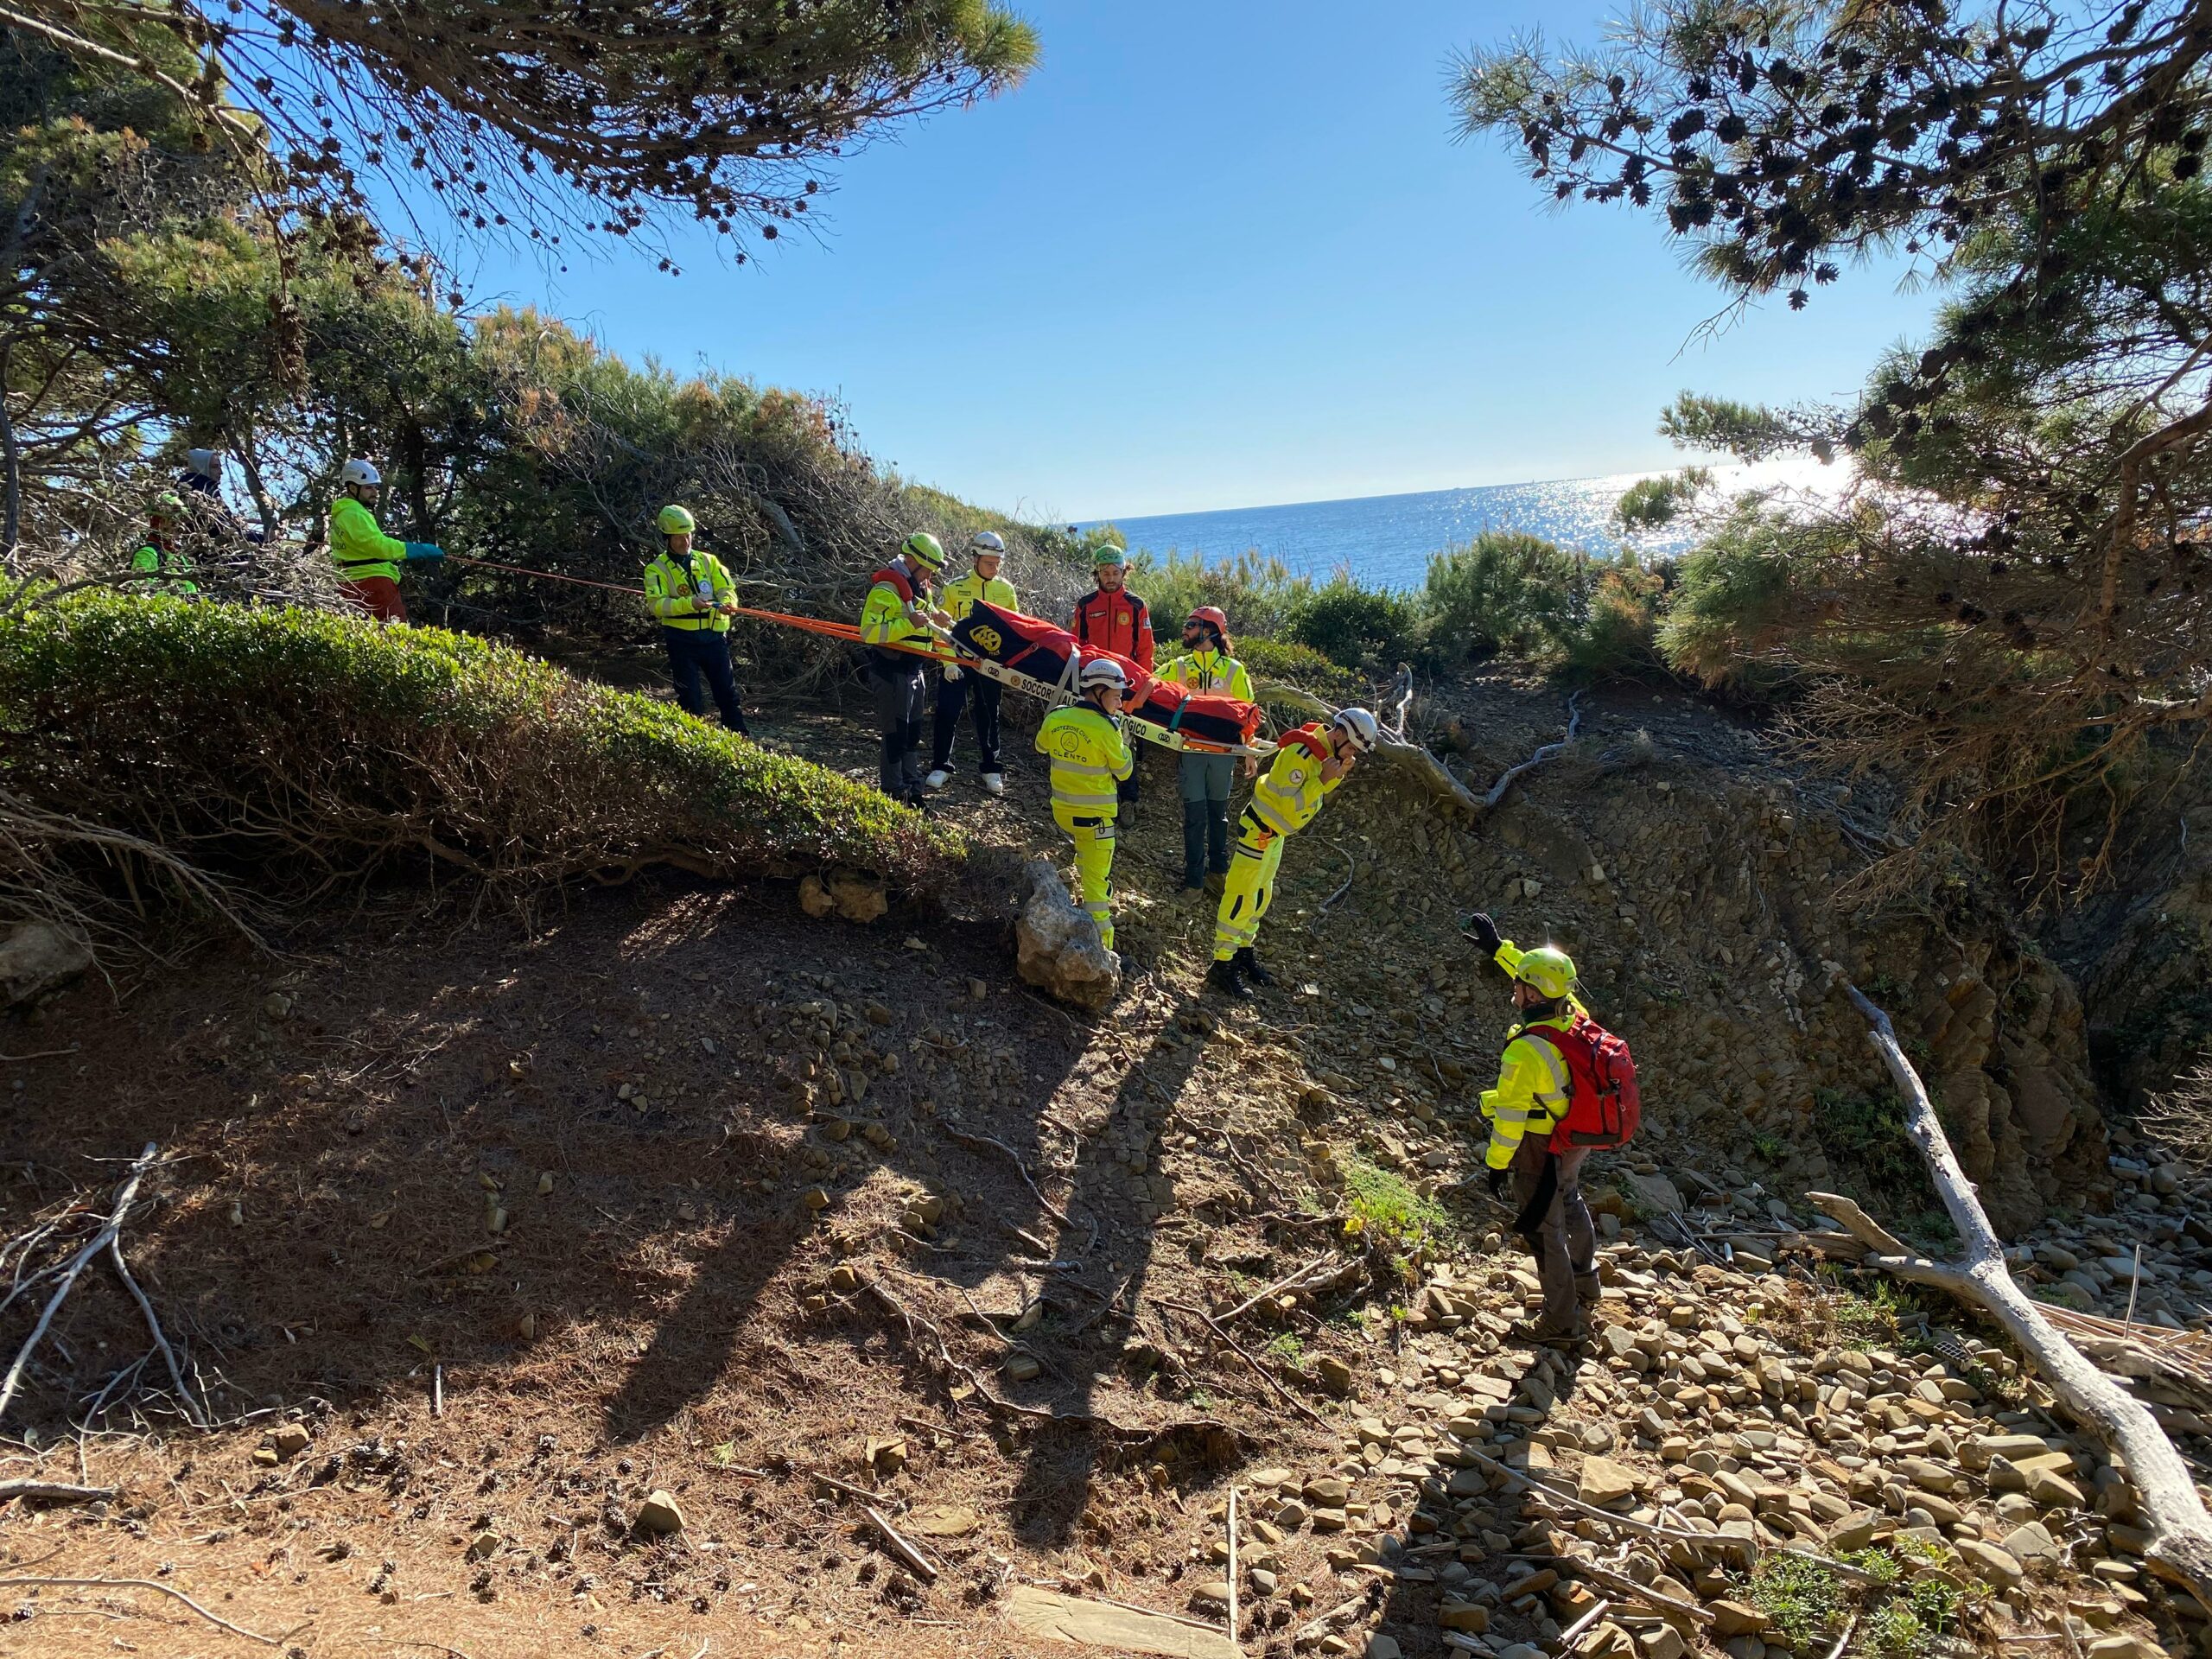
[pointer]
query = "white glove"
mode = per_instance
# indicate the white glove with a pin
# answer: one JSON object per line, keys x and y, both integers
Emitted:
{"x": 952, "y": 672}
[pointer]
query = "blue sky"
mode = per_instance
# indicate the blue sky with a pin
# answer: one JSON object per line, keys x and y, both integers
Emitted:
{"x": 1221, "y": 255}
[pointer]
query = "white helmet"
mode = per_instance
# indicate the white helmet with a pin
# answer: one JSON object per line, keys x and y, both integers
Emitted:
{"x": 1359, "y": 726}
{"x": 205, "y": 462}
{"x": 986, "y": 540}
{"x": 1104, "y": 671}
{"x": 359, "y": 472}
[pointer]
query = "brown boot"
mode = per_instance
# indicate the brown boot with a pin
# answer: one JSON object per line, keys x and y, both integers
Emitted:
{"x": 1545, "y": 1336}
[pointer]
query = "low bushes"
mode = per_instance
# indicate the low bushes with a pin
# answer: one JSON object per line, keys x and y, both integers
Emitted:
{"x": 311, "y": 751}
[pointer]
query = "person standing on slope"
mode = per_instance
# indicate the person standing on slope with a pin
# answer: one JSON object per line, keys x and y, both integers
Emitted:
{"x": 1112, "y": 617}
{"x": 162, "y": 561}
{"x": 961, "y": 596}
{"x": 897, "y": 612}
{"x": 368, "y": 560}
{"x": 1531, "y": 1096}
{"x": 688, "y": 591}
{"x": 1311, "y": 762}
{"x": 1091, "y": 758}
{"x": 1207, "y": 668}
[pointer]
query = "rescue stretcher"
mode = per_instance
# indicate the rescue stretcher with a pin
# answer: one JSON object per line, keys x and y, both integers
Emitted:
{"x": 1055, "y": 691}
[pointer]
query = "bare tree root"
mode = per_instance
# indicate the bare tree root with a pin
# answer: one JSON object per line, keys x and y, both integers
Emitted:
{"x": 2180, "y": 1529}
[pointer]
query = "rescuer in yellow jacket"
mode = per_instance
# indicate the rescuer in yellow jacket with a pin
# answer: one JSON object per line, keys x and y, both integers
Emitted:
{"x": 983, "y": 584}
{"x": 1204, "y": 779}
{"x": 896, "y": 618}
{"x": 690, "y": 594}
{"x": 1309, "y": 765}
{"x": 162, "y": 561}
{"x": 368, "y": 561}
{"x": 1091, "y": 759}
{"x": 1525, "y": 1106}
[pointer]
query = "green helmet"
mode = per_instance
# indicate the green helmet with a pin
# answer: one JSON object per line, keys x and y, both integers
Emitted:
{"x": 1109, "y": 554}
{"x": 924, "y": 549}
{"x": 167, "y": 505}
{"x": 676, "y": 521}
{"x": 1549, "y": 968}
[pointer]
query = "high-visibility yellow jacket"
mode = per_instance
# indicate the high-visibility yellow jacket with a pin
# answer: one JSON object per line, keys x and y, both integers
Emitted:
{"x": 1089, "y": 755}
{"x": 359, "y": 544}
{"x": 961, "y": 593}
{"x": 170, "y": 567}
{"x": 1210, "y": 671}
{"x": 1290, "y": 791}
{"x": 672, "y": 584}
{"x": 890, "y": 616}
{"x": 1531, "y": 1093}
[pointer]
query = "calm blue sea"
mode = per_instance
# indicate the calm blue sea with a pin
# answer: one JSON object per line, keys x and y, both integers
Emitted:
{"x": 1386, "y": 540}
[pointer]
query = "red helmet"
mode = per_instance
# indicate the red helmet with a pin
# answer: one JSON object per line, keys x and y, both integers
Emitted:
{"x": 1214, "y": 617}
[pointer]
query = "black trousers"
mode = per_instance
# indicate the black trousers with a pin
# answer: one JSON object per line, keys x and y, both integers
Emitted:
{"x": 697, "y": 652}
{"x": 951, "y": 696}
{"x": 901, "y": 690}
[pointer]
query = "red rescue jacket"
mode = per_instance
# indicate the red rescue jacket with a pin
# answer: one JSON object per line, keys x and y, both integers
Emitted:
{"x": 1117, "y": 621}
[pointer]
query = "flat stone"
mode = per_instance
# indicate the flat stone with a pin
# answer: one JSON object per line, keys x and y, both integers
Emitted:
{"x": 1993, "y": 1566}
{"x": 1603, "y": 1482}
{"x": 1735, "y": 1618}
{"x": 1382, "y": 1647}
{"x": 289, "y": 1439}
{"x": 943, "y": 1520}
{"x": 1057, "y": 1617}
{"x": 1659, "y": 1642}
{"x": 1022, "y": 1366}
{"x": 1468, "y": 1616}
{"x": 1270, "y": 1480}
{"x": 1215, "y": 1594}
{"x": 1327, "y": 1490}
{"x": 2032, "y": 1542}
{"x": 2052, "y": 1489}
{"x": 1335, "y": 1374}
{"x": 1926, "y": 1474}
{"x": 2127, "y": 1645}
{"x": 660, "y": 1514}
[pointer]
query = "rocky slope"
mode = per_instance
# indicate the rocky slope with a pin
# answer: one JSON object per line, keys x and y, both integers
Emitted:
{"x": 797, "y": 1217}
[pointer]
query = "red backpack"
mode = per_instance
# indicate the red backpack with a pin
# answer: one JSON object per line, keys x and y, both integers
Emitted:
{"x": 1603, "y": 1106}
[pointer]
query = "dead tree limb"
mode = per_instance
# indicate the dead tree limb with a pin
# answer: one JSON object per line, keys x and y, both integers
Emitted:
{"x": 140, "y": 1583}
{"x": 48, "y": 1492}
{"x": 1393, "y": 748}
{"x": 123, "y": 1200}
{"x": 2180, "y": 1529}
{"x": 1505, "y": 779}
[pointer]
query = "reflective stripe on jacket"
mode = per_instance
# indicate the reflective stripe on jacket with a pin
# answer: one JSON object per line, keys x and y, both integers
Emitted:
{"x": 671, "y": 587}
{"x": 960, "y": 596}
{"x": 360, "y": 545}
{"x": 888, "y": 618}
{"x": 1290, "y": 791}
{"x": 1207, "y": 671}
{"x": 1118, "y": 621}
{"x": 1531, "y": 1093}
{"x": 1089, "y": 756}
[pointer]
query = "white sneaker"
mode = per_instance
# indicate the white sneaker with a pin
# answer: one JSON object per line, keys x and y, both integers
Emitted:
{"x": 936, "y": 779}
{"x": 993, "y": 783}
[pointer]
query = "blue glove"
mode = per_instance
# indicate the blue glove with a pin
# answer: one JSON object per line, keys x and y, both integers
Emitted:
{"x": 420, "y": 552}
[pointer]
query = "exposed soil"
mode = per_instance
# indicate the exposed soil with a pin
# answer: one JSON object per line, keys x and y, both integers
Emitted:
{"x": 684, "y": 1191}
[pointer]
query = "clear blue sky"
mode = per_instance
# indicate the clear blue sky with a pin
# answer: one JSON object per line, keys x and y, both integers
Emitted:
{"x": 1217, "y": 255}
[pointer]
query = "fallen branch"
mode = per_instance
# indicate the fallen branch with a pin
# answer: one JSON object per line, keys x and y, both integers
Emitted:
{"x": 49, "y": 1491}
{"x": 1621, "y": 1584}
{"x": 968, "y": 1138}
{"x": 192, "y": 1414}
{"x": 2180, "y": 1529}
{"x": 1505, "y": 779}
{"x": 142, "y": 1584}
{"x": 920, "y": 1564}
{"x": 100, "y": 1240}
{"x": 1258, "y": 1369}
{"x": 1282, "y": 1284}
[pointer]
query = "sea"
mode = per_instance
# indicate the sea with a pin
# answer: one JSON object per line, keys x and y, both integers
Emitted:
{"x": 1386, "y": 541}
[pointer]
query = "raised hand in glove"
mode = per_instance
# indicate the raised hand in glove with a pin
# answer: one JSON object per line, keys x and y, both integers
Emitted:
{"x": 1485, "y": 930}
{"x": 424, "y": 552}
{"x": 951, "y": 673}
{"x": 1495, "y": 1179}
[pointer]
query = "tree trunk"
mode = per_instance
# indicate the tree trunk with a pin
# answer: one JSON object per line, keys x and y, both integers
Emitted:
{"x": 2180, "y": 1529}
{"x": 11, "y": 459}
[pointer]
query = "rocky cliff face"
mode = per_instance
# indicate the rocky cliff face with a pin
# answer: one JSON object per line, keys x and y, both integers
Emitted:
{"x": 1707, "y": 900}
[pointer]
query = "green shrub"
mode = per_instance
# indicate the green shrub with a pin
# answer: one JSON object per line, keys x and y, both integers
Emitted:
{"x": 1619, "y": 639}
{"x": 1259, "y": 596}
{"x": 1301, "y": 667}
{"x": 315, "y": 751}
{"x": 1382, "y": 1207}
{"x": 1350, "y": 624}
{"x": 1505, "y": 591}
{"x": 1736, "y": 597}
{"x": 1801, "y": 1597}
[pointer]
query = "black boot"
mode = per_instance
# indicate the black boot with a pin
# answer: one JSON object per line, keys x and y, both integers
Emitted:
{"x": 1248, "y": 965}
{"x": 1224, "y": 977}
{"x": 1194, "y": 846}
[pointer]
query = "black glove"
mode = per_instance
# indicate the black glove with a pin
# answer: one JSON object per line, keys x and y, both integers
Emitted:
{"x": 1485, "y": 930}
{"x": 1496, "y": 1178}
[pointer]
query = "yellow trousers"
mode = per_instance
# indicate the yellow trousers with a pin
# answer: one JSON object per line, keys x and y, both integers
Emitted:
{"x": 1094, "y": 864}
{"x": 1250, "y": 889}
